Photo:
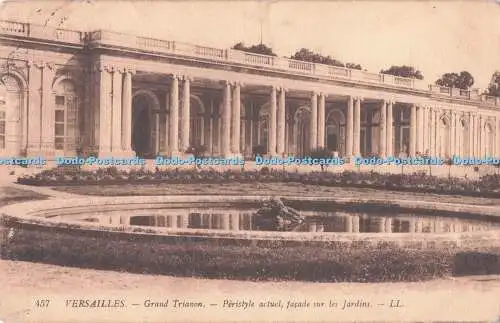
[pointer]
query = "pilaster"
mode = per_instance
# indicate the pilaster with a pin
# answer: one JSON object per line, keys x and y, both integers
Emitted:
{"x": 35, "y": 91}
{"x": 47, "y": 111}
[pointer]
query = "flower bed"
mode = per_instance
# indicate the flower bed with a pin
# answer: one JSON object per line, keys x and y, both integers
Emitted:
{"x": 487, "y": 186}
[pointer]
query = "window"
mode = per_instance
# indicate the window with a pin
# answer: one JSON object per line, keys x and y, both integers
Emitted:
{"x": 65, "y": 117}
{"x": 60, "y": 123}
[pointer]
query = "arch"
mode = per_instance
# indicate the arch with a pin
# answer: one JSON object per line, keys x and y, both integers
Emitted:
{"x": 61, "y": 79}
{"x": 21, "y": 80}
{"x": 444, "y": 137}
{"x": 196, "y": 122}
{"x": 463, "y": 137}
{"x": 144, "y": 131}
{"x": 263, "y": 125}
{"x": 301, "y": 130}
{"x": 66, "y": 116}
{"x": 335, "y": 131}
{"x": 148, "y": 93}
{"x": 489, "y": 138}
{"x": 12, "y": 114}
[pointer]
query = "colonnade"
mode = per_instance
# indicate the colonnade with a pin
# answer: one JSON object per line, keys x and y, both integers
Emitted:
{"x": 433, "y": 130}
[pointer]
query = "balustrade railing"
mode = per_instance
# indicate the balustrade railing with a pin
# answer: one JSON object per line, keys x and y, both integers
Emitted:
{"x": 12, "y": 27}
{"x": 153, "y": 43}
{"x": 159, "y": 45}
{"x": 257, "y": 59}
{"x": 209, "y": 51}
{"x": 300, "y": 65}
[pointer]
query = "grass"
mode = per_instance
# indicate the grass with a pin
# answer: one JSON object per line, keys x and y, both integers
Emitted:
{"x": 246, "y": 260}
{"x": 9, "y": 195}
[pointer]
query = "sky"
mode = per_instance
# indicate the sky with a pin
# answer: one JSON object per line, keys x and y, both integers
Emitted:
{"x": 435, "y": 37}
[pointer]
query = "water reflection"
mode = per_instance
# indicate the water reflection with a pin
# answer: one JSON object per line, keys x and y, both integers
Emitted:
{"x": 232, "y": 219}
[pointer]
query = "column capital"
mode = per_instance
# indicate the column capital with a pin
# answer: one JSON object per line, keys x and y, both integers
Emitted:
{"x": 315, "y": 93}
{"x": 225, "y": 83}
{"x": 175, "y": 76}
{"x": 282, "y": 88}
{"x": 238, "y": 83}
{"x": 186, "y": 78}
{"x": 359, "y": 98}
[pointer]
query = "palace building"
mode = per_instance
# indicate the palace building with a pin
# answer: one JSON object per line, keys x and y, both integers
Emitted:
{"x": 66, "y": 93}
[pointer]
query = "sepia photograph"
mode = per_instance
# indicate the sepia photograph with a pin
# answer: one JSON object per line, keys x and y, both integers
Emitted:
{"x": 249, "y": 161}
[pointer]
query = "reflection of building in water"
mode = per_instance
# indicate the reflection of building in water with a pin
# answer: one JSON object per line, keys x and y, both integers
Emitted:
{"x": 226, "y": 219}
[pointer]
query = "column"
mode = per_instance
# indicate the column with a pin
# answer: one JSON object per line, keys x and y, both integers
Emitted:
{"x": 226, "y": 121}
{"x": 116, "y": 123}
{"x": 321, "y": 120}
{"x": 174, "y": 116}
{"x": 432, "y": 151}
{"x": 413, "y": 130}
{"x": 127, "y": 112}
{"x": 235, "y": 144}
{"x": 437, "y": 128}
{"x": 453, "y": 131}
{"x": 381, "y": 224}
{"x": 470, "y": 145}
{"x": 420, "y": 130}
{"x": 211, "y": 127}
{"x": 280, "y": 145}
{"x": 357, "y": 127}
{"x": 355, "y": 223}
{"x": 383, "y": 130}
{"x": 348, "y": 223}
{"x": 186, "y": 111}
{"x": 350, "y": 127}
{"x": 425, "y": 129}
{"x": 388, "y": 225}
{"x": 235, "y": 222}
{"x": 271, "y": 138}
{"x": 104, "y": 112}
{"x": 389, "y": 144}
{"x": 313, "y": 123}
{"x": 412, "y": 225}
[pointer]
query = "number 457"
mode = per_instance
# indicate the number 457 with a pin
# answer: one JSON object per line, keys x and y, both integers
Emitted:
{"x": 42, "y": 303}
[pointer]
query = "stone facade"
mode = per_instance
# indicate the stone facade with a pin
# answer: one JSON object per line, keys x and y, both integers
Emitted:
{"x": 66, "y": 93}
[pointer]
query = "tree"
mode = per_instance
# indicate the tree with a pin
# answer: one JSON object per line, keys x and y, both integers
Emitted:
{"x": 307, "y": 55}
{"x": 494, "y": 86}
{"x": 353, "y": 66}
{"x": 462, "y": 81}
{"x": 256, "y": 49}
{"x": 404, "y": 71}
